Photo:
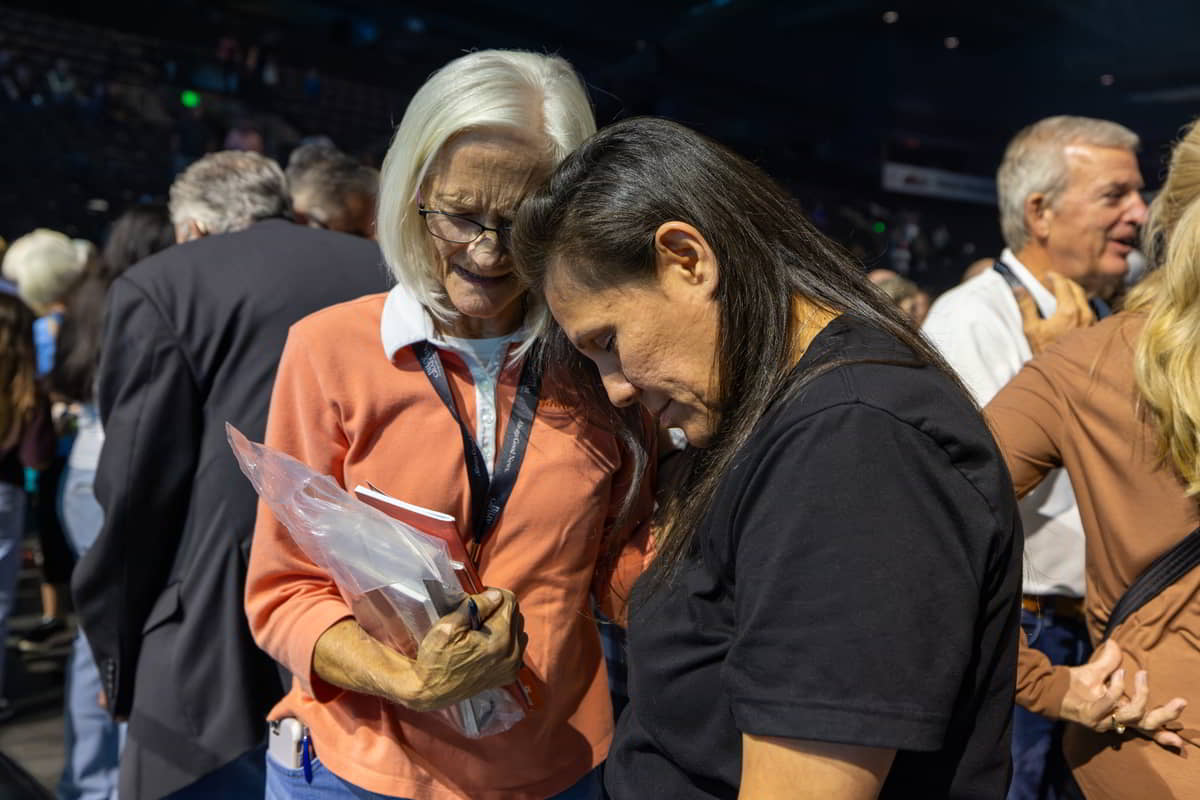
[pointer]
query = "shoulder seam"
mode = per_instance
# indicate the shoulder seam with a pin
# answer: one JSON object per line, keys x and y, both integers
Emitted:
{"x": 164, "y": 322}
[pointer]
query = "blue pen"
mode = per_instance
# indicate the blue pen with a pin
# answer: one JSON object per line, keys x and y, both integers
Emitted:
{"x": 473, "y": 613}
{"x": 306, "y": 758}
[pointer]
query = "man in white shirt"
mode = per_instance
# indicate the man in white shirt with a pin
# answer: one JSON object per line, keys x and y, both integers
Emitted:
{"x": 1070, "y": 210}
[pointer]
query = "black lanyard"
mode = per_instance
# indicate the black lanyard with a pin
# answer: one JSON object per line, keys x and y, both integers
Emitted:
{"x": 1100, "y": 308}
{"x": 488, "y": 495}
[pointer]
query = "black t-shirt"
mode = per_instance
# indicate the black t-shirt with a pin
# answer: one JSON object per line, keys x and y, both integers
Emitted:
{"x": 856, "y": 581}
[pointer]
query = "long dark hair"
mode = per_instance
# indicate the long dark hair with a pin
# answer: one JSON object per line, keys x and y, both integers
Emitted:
{"x": 18, "y": 367}
{"x": 138, "y": 233}
{"x": 597, "y": 215}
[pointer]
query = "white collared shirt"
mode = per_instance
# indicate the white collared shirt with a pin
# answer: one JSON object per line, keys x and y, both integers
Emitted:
{"x": 406, "y": 322}
{"x": 978, "y": 329}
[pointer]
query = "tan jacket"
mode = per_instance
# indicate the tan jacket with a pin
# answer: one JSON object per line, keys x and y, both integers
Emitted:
{"x": 1076, "y": 406}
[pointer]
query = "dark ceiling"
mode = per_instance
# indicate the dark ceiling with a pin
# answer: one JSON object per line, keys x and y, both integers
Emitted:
{"x": 823, "y": 89}
{"x": 831, "y": 84}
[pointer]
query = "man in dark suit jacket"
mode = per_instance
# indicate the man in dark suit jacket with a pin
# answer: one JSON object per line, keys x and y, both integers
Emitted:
{"x": 193, "y": 339}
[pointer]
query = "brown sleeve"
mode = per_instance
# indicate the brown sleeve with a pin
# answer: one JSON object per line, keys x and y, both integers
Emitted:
{"x": 1026, "y": 419}
{"x": 1041, "y": 686}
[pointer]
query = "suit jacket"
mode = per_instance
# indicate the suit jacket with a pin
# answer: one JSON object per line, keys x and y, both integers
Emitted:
{"x": 192, "y": 340}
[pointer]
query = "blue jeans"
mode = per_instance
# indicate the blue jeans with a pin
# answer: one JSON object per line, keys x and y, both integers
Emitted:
{"x": 1040, "y": 770}
{"x": 284, "y": 783}
{"x": 92, "y": 740}
{"x": 12, "y": 528}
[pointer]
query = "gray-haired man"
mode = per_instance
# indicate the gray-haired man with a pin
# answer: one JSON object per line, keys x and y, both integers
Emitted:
{"x": 331, "y": 190}
{"x": 1070, "y": 211}
{"x": 193, "y": 339}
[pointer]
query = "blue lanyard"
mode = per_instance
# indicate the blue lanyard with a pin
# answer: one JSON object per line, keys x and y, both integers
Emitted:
{"x": 488, "y": 495}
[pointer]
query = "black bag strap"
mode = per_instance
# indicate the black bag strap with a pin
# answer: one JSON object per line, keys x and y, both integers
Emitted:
{"x": 488, "y": 494}
{"x": 1013, "y": 281}
{"x": 1162, "y": 572}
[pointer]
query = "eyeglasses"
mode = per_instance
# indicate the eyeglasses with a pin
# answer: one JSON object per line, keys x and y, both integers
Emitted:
{"x": 460, "y": 229}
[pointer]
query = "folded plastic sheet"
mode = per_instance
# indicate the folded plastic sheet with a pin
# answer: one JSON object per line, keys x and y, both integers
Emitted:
{"x": 397, "y": 580}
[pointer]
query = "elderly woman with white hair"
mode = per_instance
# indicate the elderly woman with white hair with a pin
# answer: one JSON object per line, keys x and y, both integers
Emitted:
{"x": 383, "y": 390}
{"x": 45, "y": 265}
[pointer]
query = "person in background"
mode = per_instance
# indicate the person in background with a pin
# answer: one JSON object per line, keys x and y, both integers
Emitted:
{"x": 1118, "y": 407}
{"x": 1070, "y": 211}
{"x": 27, "y": 441}
{"x": 46, "y": 265}
{"x": 331, "y": 190}
{"x": 371, "y": 391}
{"x": 907, "y": 296}
{"x": 92, "y": 739}
{"x": 192, "y": 340}
{"x": 831, "y": 611}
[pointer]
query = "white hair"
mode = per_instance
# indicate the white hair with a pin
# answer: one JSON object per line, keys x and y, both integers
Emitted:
{"x": 485, "y": 89}
{"x": 1035, "y": 162}
{"x": 229, "y": 191}
{"x": 45, "y": 264}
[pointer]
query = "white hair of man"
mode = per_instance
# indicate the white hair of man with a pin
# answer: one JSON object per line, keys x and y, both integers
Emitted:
{"x": 229, "y": 191}
{"x": 45, "y": 265}
{"x": 485, "y": 89}
{"x": 1035, "y": 162}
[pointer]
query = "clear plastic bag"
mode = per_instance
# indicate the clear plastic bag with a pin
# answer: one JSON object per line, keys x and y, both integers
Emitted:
{"x": 397, "y": 580}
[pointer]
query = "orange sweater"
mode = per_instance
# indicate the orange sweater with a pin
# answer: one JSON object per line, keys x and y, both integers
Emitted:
{"x": 343, "y": 408}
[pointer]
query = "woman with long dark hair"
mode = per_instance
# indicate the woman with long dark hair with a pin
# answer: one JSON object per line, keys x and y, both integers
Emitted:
{"x": 832, "y": 608}
{"x": 26, "y": 441}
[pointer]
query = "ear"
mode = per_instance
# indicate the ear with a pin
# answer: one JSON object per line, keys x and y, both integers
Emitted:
{"x": 188, "y": 230}
{"x": 1038, "y": 215}
{"x": 684, "y": 258}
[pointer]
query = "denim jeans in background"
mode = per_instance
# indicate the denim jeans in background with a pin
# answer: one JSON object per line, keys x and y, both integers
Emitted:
{"x": 12, "y": 528}
{"x": 1040, "y": 770}
{"x": 92, "y": 740}
{"x": 284, "y": 783}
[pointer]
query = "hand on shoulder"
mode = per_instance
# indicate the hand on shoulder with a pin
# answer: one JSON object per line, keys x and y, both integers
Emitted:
{"x": 1072, "y": 312}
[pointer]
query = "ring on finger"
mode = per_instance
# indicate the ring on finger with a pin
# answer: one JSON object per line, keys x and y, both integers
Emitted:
{"x": 1118, "y": 726}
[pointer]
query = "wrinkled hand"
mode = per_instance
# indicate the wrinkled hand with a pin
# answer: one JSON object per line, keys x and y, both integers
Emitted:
{"x": 1072, "y": 312}
{"x": 1096, "y": 699}
{"x": 455, "y": 662}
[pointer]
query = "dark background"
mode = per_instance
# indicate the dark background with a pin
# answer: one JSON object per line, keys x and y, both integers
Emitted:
{"x": 818, "y": 93}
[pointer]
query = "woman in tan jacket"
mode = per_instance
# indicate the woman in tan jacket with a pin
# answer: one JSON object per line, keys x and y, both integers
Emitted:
{"x": 1118, "y": 405}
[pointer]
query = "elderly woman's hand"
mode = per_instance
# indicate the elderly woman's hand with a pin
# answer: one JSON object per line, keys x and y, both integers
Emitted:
{"x": 1096, "y": 699}
{"x": 453, "y": 662}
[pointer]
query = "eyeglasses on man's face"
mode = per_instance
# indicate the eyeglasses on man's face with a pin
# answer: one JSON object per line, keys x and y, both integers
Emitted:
{"x": 459, "y": 229}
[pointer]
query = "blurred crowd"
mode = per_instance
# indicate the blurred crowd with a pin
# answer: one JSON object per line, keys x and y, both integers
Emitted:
{"x": 983, "y": 610}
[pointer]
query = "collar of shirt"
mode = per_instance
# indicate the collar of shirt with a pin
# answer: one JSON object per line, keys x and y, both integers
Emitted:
{"x": 405, "y": 322}
{"x": 1046, "y": 302}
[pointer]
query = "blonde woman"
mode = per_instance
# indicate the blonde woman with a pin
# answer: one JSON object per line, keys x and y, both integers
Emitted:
{"x": 1118, "y": 405}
